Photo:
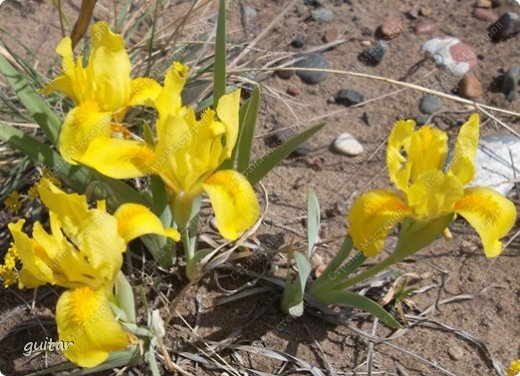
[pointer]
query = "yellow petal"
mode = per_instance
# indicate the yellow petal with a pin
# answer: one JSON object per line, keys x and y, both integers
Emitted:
{"x": 434, "y": 194}
{"x": 135, "y": 220}
{"x": 64, "y": 83}
{"x": 228, "y": 110}
{"x": 71, "y": 208}
{"x": 371, "y": 218}
{"x": 84, "y": 317}
{"x": 491, "y": 214}
{"x": 169, "y": 101}
{"x": 398, "y": 169}
{"x": 462, "y": 165}
{"x": 144, "y": 92}
{"x": 35, "y": 272}
{"x": 82, "y": 124}
{"x": 427, "y": 151}
{"x": 118, "y": 158}
{"x": 234, "y": 202}
{"x": 109, "y": 68}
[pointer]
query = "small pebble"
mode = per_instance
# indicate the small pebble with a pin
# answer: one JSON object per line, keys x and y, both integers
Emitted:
{"x": 314, "y": 60}
{"x": 346, "y": 144}
{"x": 298, "y": 42}
{"x": 250, "y": 13}
{"x": 391, "y": 27}
{"x": 430, "y": 104}
{"x": 373, "y": 55}
{"x": 507, "y": 26}
{"x": 483, "y": 14}
{"x": 283, "y": 134}
{"x": 348, "y": 97}
{"x": 470, "y": 87}
{"x": 318, "y": 271}
{"x": 285, "y": 74}
{"x": 366, "y": 119}
{"x": 483, "y": 4}
{"x": 499, "y": 3}
{"x": 456, "y": 353}
{"x": 293, "y": 91}
{"x": 300, "y": 9}
{"x": 331, "y": 35}
{"x": 412, "y": 14}
{"x": 424, "y": 27}
{"x": 322, "y": 15}
{"x": 511, "y": 82}
{"x": 425, "y": 11}
{"x": 421, "y": 119}
{"x": 366, "y": 43}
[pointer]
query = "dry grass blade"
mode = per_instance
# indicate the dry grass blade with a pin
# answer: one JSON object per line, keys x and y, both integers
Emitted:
{"x": 81, "y": 25}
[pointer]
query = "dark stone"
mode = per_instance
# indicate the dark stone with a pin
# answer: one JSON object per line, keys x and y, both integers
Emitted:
{"x": 298, "y": 42}
{"x": 507, "y": 26}
{"x": 348, "y": 97}
{"x": 316, "y": 61}
{"x": 373, "y": 55}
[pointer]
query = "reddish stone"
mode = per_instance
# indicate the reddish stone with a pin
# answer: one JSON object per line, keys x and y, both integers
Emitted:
{"x": 391, "y": 27}
{"x": 424, "y": 27}
{"x": 470, "y": 87}
{"x": 462, "y": 53}
{"x": 293, "y": 91}
{"x": 331, "y": 35}
{"x": 485, "y": 14}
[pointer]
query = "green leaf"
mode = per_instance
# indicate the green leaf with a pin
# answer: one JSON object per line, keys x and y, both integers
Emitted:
{"x": 219, "y": 79}
{"x": 192, "y": 267}
{"x": 292, "y": 298}
{"x": 248, "y": 117}
{"x": 124, "y": 297}
{"x": 329, "y": 274}
{"x": 115, "y": 359}
{"x": 148, "y": 134}
{"x": 78, "y": 178}
{"x": 32, "y": 101}
{"x": 258, "y": 169}
{"x": 313, "y": 221}
{"x": 350, "y": 299}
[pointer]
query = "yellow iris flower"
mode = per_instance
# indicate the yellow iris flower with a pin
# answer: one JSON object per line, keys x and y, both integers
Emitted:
{"x": 426, "y": 192}
{"x": 102, "y": 91}
{"x": 186, "y": 156}
{"x": 514, "y": 368}
{"x": 83, "y": 253}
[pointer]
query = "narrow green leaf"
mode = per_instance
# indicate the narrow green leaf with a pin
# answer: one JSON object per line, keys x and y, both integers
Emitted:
{"x": 246, "y": 134}
{"x": 125, "y": 298}
{"x": 122, "y": 15}
{"x": 292, "y": 298}
{"x": 219, "y": 80}
{"x": 115, "y": 359}
{"x": 79, "y": 178}
{"x": 148, "y": 134}
{"x": 32, "y": 101}
{"x": 350, "y": 299}
{"x": 329, "y": 274}
{"x": 258, "y": 169}
{"x": 313, "y": 221}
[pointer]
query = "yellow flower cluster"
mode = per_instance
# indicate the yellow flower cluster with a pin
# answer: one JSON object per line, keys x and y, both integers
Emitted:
{"x": 8, "y": 269}
{"x": 12, "y": 202}
{"x": 187, "y": 152}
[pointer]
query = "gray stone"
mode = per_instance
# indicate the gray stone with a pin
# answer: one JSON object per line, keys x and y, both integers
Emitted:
{"x": 298, "y": 42}
{"x": 284, "y": 134}
{"x": 430, "y": 104}
{"x": 322, "y": 15}
{"x": 346, "y": 144}
{"x": 493, "y": 165}
{"x": 366, "y": 118}
{"x": 300, "y": 9}
{"x": 421, "y": 119}
{"x": 316, "y": 61}
{"x": 250, "y": 12}
{"x": 348, "y": 97}
{"x": 373, "y": 55}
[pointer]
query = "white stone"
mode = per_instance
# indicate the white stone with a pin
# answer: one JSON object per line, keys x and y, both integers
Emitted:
{"x": 346, "y": 144}
{"x": 494, "y": 168}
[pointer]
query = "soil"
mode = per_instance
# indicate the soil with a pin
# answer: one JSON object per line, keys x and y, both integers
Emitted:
{"x": 486, "y": 292}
